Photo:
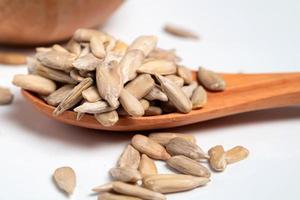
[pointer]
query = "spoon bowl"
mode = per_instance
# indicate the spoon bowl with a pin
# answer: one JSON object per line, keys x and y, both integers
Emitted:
{"x": 244, "y": 93}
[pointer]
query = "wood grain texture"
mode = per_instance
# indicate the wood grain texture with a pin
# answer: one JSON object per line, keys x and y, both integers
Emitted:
{"x": 46, "y": 21}
{"x": 244, "y": 93}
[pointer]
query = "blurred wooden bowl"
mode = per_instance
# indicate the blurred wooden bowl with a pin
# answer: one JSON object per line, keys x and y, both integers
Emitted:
{"x": 46, "y": 21}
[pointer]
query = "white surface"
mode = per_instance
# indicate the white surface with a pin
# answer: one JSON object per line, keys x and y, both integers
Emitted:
{"x": 248, "y": 36}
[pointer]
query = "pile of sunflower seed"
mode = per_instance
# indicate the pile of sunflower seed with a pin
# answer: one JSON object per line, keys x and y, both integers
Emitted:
{"x": 97, "y": 74}
{"x": 136, "y": 176}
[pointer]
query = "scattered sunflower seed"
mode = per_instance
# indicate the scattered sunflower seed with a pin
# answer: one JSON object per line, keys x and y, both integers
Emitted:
{"x": 6, "y": 97}
{"x": 162, "y": 67}
{"x": 65, "y": 178}
{"x": 107, "y": 118}
{"x": 211, "y": 80}
{"x": 180, "y": 32}
{"x": 129, "y": 158}
{"x": 125, "y": 174}
{"x": 147, "y": 166}
{"x": 163, "y": 138}
{"x": 236, "y": 154}
{"x": 217, "y": 158}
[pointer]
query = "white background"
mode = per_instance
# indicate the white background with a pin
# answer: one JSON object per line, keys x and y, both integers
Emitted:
{"x": 236, "y": 36}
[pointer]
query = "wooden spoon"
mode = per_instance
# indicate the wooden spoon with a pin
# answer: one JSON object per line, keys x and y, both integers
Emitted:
{"x": 244, "y": 93}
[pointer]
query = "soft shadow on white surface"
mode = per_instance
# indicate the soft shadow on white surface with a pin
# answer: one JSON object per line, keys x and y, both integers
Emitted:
{"x": 25, "y": 115}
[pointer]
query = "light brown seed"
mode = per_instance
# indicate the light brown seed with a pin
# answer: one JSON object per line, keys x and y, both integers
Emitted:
{"x": 131, "y": 104}
{"x": 149, "y": 147}
{"x": 74, "y": 47}
{"x": 185, "y": 73}
{"x": 35, "y": 67}
{"x": 91, "y": 94}
{"x": 164, "y": 137}
{"x": 65, "y": 178}
{"x": 12, "y": 58}
{"x": 199, "y": 97}
{"x": 181, "y": 146}
{"x": 210, "y": 80}
{"x": 109, "y": 82}
{"x": 97, "y": 47}
{"x": 85, "y": 35}
{"x": 56, "y": 59}
{"x": 87, "y": 62}
{"x": 73, "y": 97}
{"x": 74, "y": 74}
{"x": 180, "y": 32}
{"x": 170, "y": 183}
{"x": 236, "y": 154}
{"x": 108, "y": 118}
{"x": 136, "y": 191}
{"x": 129, "y": 64}
{"x": 140, "y": 86}
{"x": 176, "y": 79}
{"x": 162, "y": 67}
{"x": 189, "y": 89}
{"x": 147, "y": 166}
{"x": 129, "y": 158}
{"x": 108, "y": 187}
{"x": 145, "y": 103}
{"x": 156, "y": 94}
{"x": 144, "y": 43}
{"x": 153, "y": 110}
{"x": 6, "y": 97}
{"x": 125, "y": 174}
{"x": 57, "y": 47}
{"x": 189, "y": 166}
{"x": 217, "y": 158}
{"x": 162, "y": 54}
{"x": 175, "y": 94}
{"x": 34, "y": 83}
{"x": 58, "y": 95}
{"x": 94, "y": 108}
{"x": 112, "y": 196}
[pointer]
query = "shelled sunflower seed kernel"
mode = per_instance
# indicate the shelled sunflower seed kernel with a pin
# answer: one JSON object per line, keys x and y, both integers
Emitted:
{"x": 136, "y": 176}
{"x": 114, "y": 77}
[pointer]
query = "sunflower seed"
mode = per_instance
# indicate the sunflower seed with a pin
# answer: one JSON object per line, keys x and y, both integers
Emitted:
{"x": 189, "y": 166}
{"x": 162, "y": 54}
{"x": 163, "y": 137}
{"x": 129, "y": 64}
{"x": 109, "y": 82}
{"x": 131, "y": 104}
{"x": 109, "y": 42}
{"x": 6, "y": 96}
{"x": 12, "y": 58}
{"x": 74, "y": 47}
{"x": 217, "y": 158}
{"x": 144, "y": 43}
{"x": 140, "y": 86}
{"x": 181, "y": 146}
{"x": 85, "y": 35}
{"x": 74, "y": 74}
{"x": 189, "y": 89}
{"x": 185, "y": 73}
{"x": 236, "y": 154}
{"x": 65, "y": 178}
{"x": 108, "y": 187}
{"x": 180, "y": 32}
{"x": 175, "y": 94}
{"x": 147, "y": 166}
{"x": 97, "y": 47}
{"x": 88, "y": 62}
{"x": 145, "y": 103}
{"x": 73, "y": 97}
{"x": 176, "y": 79}
{"x": 161, "y": 67}
{"x": 169, "y": 183}
{"x": 107, "y": 118}
{"x": 34, "y": 83}
{"x": 153, "y": 110}
{"x": 136, "y": 191}
{"x": 199, "y": 97}
{"x": 210, "y": 80}
{"x": 149, "y": 147}
{"x": 129, "y": 158}
{"x": 125, "y": 174}
{"x": 57, "y": 47}
{"x": 58, "y": 95}
{"x": 94, "y": 108}
{"x": 37, "y": 68}
{"x": 112, "y": 196}
{"x": 56, "y": 59}
{"x": 91, "y": 94}
{"x": 156, "y": 94}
